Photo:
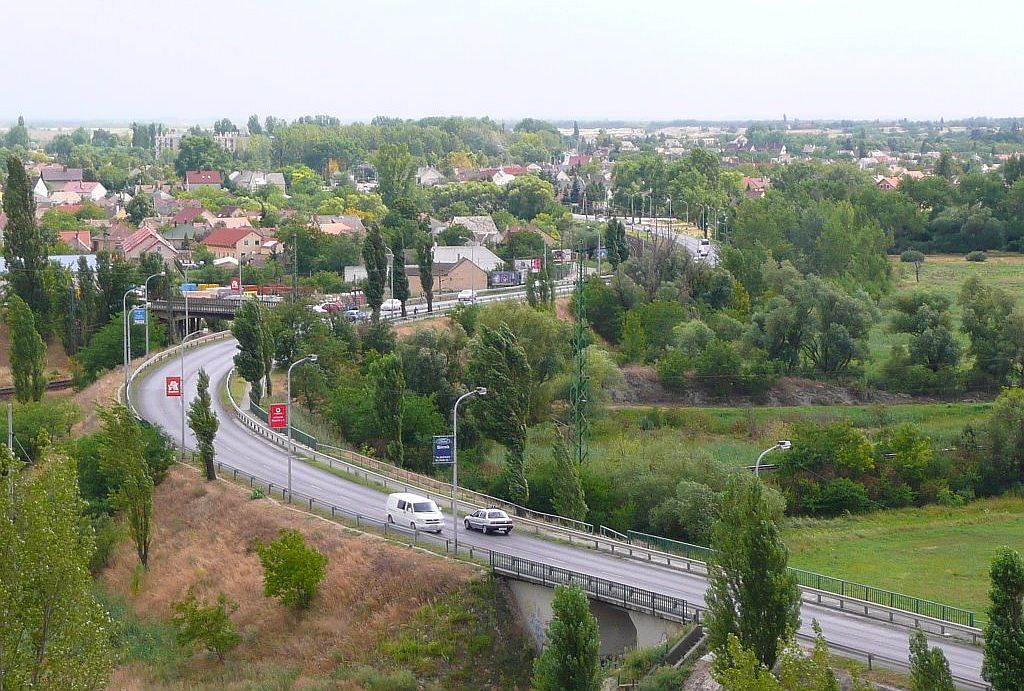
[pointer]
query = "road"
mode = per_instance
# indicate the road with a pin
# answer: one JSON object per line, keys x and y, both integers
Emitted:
{"x": 238, "y": 447}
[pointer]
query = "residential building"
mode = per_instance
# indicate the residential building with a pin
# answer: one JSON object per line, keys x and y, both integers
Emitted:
{"x": 755, "y": 188}
{"x": 232, "y": 222}
{"x": 481, "y": 256}
{"x": 77, "y": 240}
{"x": 886, "y": 183}
{"x": 237, "y": 243}
{"x": 196, "y": 179}
{"x": 428, "y": 176}
{"x": 146, "y": 241}
{"x": 93, "y": 191}
{"x": 482, "y": 227}
{"x": 53, "y": 178}
{"x": 340, "y": 224}
{"x": 449, "y": 277}
{"x": 229, "y": 141}
{"x": 193, "y": 214}
{"x": 181, "y": 236}
{"x": 252, "y": 180}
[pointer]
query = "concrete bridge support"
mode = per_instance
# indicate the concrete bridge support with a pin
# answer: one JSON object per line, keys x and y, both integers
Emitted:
{"x": 621, "y": 629}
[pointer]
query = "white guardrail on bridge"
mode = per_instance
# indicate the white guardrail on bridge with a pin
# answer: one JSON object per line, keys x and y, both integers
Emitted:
{"x": 600, "y": 542}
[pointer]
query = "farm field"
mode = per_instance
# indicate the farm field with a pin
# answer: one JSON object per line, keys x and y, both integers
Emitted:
{"x": 938, "y": 553}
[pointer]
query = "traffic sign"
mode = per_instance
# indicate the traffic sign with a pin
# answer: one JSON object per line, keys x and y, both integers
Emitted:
{"x": 444, "y": 445}
{"x": 139, "y": 316}
{"x": 278, "y": 417}
{"x": 236, "y": 285}
{"x": 172, "y": 386}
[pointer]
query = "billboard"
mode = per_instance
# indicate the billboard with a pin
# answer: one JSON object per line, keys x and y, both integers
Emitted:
{"x": 444, "y": 445}
{"x": 278, "y": 417}
{"x": 172, "y": 387}
{"x": 236, "y": 285}
{"x": 505, "y": 278}
{"x": 139, "y": 316}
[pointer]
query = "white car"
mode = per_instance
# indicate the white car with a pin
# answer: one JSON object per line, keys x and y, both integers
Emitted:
{"x": 704, "y": 247}
{"x": 467, "y": 297}
{"x": 489, "y": 521}
{"x": 391, "y": 305}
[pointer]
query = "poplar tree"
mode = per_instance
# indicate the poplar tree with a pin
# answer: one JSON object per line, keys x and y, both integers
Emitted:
{"x": 569, "y": 499}
{"x": 929, "y": 670}
{"x": 399, "y": 279}
{"x": 425, "y": 259}
{"x": 570, "y": 661}
{"x": 751, "y": 593}
{"x": 24, "y": 244}
{"x": 1003, "y": 665}
{"x": 376, "y": 260}
{"x": 387, "y": 390}
{"x": 123, "y": 462}
{"x": 251, "y": 334}
{"x": 204, "y": 423}
{"x": 28, "y": 351}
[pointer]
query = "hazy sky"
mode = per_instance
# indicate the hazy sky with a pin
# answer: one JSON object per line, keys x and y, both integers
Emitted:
{"x": 623, "y": 59}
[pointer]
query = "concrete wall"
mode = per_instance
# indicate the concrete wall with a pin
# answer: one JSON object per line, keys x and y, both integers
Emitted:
{"x": 620, "y": 629}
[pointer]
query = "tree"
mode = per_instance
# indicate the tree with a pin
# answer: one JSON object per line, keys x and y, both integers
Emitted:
{"x": 455, "y": 235}
{"x": 292, "y": 570}
{"x": 396, "y": 171}
{"x": 751, "y": 594}
{"x": 55, "y": 635}
{"x": 795, "y": 670}
{"x": 123, "y": 462}
{"x": 254, "y": 126}
{"x": 1004, "y": 635}
{"x": 400, "y": 281}
{"x": 527, "y": 196}
{"x": 916, "y": 258}
{"x": 208, "y": 625}
{"x": 200, "y": 152}
{"x": 570, "y": 660}
{"x": 387, "y": 389}
{"x": 224, "y": 125}
{"x": 28, "y": 351}
{"x": 376, "y": 259}
{"x": 498, "y": 362}
{"x": 24, "y": 244}
{"x": 616, "y": 243}
{"x": 250, "y": 330}
{"x": 995, "y": 329}
{"x": 425, "y": 260}
{"x": 568, "y": 499}
{"x": 204, "y": 423}
{"x": 140, "y": 207}
{"x": 929, "y": 670}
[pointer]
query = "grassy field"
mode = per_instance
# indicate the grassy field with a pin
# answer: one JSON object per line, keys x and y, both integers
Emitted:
{"x": 938, "y": 553}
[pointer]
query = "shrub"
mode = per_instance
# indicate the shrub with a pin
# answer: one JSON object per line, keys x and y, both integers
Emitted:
{"x": 208, "y": 625}
{"x": 976, "y": 256}
{"x": 673, "y": 370}
{"x": 291, "y": 570}
{"x": 839, "y": 496}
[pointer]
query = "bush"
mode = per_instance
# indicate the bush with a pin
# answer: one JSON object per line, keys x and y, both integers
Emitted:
{"x": 291, "y": 570}
{"x": 839, "y": 496}
{"x": 663, "y": 679}
{"x": 673, "y": 370}
{"x": 209, "y": 625}
{"x": 976, "y": 256}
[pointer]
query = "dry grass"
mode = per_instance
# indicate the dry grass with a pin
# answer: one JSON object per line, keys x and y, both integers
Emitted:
{"x": 204, "y": 533}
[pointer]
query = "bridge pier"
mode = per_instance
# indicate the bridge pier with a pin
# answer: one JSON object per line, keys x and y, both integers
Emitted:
{"x": 620, "y": 629}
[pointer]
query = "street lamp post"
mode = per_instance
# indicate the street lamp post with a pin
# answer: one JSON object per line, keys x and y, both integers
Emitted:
{"x": 127, "y": 333}
{"x": 146, "y": 284}
{"x": 181, "y": 389}
{"x": 478, "y": 391}
{"x": 288, "y": 418}
{"x": 784, "y": 444}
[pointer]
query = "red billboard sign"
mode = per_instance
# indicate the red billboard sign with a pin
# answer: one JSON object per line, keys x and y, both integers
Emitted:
{"x": 236, "y": 286}
{"x": 278, "y": 415}
{"x": 172, "y": 386}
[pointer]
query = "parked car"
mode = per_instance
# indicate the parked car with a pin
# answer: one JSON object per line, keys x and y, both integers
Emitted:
{"x": 419, "y": 513}
{"x": 467, "y": 296}
{"x": 489, "y": 521}
{"x": 353, "y": 314}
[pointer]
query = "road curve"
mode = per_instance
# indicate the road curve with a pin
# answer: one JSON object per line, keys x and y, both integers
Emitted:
{"x": 239, "y": 447}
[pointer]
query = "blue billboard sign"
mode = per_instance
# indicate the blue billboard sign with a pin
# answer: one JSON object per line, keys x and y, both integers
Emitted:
{"x": 505, "y": 278}
{"x": 444, "y": 449}
{"x": 188, "y": 287}
{"x": 139, "y": 316}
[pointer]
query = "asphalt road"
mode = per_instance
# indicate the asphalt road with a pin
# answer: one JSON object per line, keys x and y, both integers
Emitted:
{"x": 239, "y": 447}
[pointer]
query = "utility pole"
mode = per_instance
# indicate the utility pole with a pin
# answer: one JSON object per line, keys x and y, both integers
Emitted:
{"x": 10, "y": 427}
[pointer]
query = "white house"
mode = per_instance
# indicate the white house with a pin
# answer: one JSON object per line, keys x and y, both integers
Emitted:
{"x": 428, "y": 176}
{"x": 481, "y": 256}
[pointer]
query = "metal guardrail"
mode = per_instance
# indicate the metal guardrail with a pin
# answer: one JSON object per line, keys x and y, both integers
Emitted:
{"x": 297, "y": 434}
{"x": 829, "y": 584}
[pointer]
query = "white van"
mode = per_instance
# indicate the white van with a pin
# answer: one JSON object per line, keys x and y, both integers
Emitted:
{"x": 391, "y": 305}
{"x": 415, "y": 511}
{"x": 467, "y": 296}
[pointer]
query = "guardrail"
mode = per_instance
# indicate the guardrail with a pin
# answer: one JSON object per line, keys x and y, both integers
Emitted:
{"x": 829, "y": 584}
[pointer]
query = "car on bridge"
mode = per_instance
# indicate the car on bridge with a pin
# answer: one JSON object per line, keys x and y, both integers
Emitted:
{"x": 489, "y": 521}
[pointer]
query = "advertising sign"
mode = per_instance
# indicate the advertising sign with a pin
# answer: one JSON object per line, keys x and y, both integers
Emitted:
{"x": 443, "y": 449}
{"x": 172, "y": 386}
{"x": 278, "y": 417}
{"x": 188, "y": 287}
{"x": 236, "y": 286}
{"x": 139, "y": 316}
{"x": 505, "y": 278}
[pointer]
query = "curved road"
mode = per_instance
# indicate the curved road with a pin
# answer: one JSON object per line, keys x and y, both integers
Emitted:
{"x": 239, "y": 447}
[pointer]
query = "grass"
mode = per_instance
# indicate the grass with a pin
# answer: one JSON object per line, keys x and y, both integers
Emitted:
{"x": 937, "y": 553}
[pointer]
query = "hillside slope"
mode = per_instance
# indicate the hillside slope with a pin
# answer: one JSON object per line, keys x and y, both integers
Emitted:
{"x": 387, "y": 616}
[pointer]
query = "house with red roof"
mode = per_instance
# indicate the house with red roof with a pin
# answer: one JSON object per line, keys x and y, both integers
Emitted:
{"x": 755, "y": 188}
{"x": 147, "y": 240}
{"x": 197, "y": 179}
{"x": 237, "y": 243}
{"x": 194, "y": 215}
{"x": 80, "y": 241}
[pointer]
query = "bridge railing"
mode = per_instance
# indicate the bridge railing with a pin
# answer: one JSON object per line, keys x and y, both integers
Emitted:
{"x": 828, "y": 584}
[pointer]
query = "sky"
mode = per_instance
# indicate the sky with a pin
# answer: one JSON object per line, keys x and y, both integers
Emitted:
{"x": 639, "y": 60}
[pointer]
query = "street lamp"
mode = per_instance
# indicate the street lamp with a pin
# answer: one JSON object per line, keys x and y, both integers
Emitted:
{"x": 478, "y": 391}
{"x": 146, "y": 284}
{"x": 127, "y": 333}
{"x": 181, "y": 388}
{"x": 288, "y": 418}
{"x": 783, "y": 444}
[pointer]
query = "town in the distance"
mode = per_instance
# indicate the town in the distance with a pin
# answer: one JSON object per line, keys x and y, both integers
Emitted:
{"x": 470, "y": 403}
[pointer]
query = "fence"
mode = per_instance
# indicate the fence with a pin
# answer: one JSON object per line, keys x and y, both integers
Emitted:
{"x": 297, "y": 434}
{"x": 828, "y": 584}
